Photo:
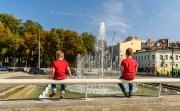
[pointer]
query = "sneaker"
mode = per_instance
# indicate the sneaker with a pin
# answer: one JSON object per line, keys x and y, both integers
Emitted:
{"x": 126, "y": 94}
{"x": 129, "y": 95}
{"x": 62, "y": 92}
{"x": 52, "y": 94}
{"x": 61, "y": 96}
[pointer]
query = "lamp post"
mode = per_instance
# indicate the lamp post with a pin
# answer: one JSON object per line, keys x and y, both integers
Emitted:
{"x": 172, "y": 59}
{"x": 39, "y": 60}
{"x": 112, "y": 52}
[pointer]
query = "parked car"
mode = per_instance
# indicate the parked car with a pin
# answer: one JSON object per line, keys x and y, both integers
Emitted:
{"x": 21, "y": 69}
{"x": 36, "y": 70}
{"x": 11, "y": 69}
{"x": 3, "y": 68}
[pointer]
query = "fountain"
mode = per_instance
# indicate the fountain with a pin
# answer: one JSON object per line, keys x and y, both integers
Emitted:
{"x": 100, "y": 48}
{"x": 79, "y": 66}
{"x": 98, "y": 68}
{"x": 96, "y": 72}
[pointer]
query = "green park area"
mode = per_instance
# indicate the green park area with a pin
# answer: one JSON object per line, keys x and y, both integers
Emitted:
{"x": 39, "y": 89}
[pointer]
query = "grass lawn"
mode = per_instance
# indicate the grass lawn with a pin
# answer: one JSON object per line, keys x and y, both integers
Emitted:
{"x": 39, "y": 89}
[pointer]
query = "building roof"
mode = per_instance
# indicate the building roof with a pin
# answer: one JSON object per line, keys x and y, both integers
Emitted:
{"x": 131, "y": 38}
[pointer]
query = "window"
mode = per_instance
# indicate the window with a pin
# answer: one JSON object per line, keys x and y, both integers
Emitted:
{"x": 166, "y": 57}
{"x": 148, "y": 57}
{"x": 161, "y": 57}
{"x": 141, "y": 57}
{"x": 144, "y": 57}
{"x": 161, "y": 65}
{"x": 176, "y": 65}
{"x": 166, "y": 65}
{"x": 170, "y": 57}
{"x": 153, "y": 57}
{"x": 176, "y": 57}
{"x": 170, "y": 44}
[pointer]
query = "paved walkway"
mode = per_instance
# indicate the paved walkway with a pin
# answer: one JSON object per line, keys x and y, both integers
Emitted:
{"x": 136, "y": 103}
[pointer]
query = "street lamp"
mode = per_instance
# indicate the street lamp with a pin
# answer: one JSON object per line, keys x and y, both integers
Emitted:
{"x": 112, "y": 52}
{"x": 172, "y": 60}
{"x": 39, "y": 61}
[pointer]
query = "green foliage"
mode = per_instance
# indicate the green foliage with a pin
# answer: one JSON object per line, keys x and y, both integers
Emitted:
{"x": 30, "y": 26}
{"x": 89, "y": 41}
{"x": 72, "y": 45}
{"x": 52, "y": 43}
{"x": 68, "y": 41}
{"x": 10, "y": 22}
{"x": 2, "y": 30}
{"x": 12, "y": 43}
{"x": 3, "y": 34}
{"x": 30, "y": 33}
{"x": 22, "y": 40}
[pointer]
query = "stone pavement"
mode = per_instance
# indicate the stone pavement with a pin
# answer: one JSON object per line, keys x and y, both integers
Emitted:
{"x": 136, "y": 103}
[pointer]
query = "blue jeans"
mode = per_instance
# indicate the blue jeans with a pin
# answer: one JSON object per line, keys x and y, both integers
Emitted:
{"x": 53, "y": 87}
{"x": 124, "y": 89}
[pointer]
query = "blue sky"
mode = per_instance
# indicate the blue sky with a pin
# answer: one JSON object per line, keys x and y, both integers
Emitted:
{"x": 153, "y": 19}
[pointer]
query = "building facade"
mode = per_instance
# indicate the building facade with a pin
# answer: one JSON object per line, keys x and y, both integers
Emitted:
{"x": 158, "y": 60}
{"x": 130, "y": 42}
{"x": 118, "y": 51}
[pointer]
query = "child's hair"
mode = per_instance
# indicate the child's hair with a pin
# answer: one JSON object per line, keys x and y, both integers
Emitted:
{"x": 59, "y": 54}
{"x": 129, "y": 52}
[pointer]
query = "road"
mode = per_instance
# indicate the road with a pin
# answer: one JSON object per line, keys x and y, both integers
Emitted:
{"x": 16, "y": 91}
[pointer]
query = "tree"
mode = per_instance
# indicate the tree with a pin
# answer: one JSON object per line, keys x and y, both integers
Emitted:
{"x": 89, "y": 42}
{"x": 31, "y": 26}
{"x": 72, "y": 46}
{"x": 9, "y": 35}
{"x": 66, "y": 40}
{"x": 3, "y": 34}
{"x": 45, "y": 49}
{"x": 21, "y": 40}
{"x": 3, "y": 31}
{"x": 12, "y": 43}
{"x": 30, "y": 38}
{"x": 52, "y": 43}
{"x": 9, "y": 21}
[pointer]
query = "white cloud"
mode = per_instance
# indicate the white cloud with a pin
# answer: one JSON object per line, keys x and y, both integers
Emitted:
{"x": 71, "y": 14}
{"x": 113, "y": 16}
{"x": 113, "y": 7}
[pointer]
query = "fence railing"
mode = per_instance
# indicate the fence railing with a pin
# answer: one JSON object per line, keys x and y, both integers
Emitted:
{"x": 89, "y": 81}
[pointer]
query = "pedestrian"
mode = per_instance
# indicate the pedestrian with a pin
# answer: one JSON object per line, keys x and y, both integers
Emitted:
{"x": 60, "y": 68}
{"x": 158, "y": 73}
{"x": 128, "y": 68}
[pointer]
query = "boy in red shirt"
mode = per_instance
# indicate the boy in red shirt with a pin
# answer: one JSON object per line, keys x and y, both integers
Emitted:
{"x": 128, "y": 68}
{"x": 59, "y": 70}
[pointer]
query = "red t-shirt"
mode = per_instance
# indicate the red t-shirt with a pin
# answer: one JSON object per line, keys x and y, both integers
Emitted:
{"x": 130, "y": 66}
{"x": 60, "y": 67}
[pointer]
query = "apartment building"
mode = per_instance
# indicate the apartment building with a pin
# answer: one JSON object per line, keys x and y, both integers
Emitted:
{"x": 118, "y": 51}
{"x": 161, "y": 60}
{"x": 130, "y": 42}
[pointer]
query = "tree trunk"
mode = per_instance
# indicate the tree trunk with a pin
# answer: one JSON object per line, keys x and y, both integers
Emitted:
{"x": 1, "y": 63}
{"x": 26, "y": 62}
{"x": 14, "y": 62}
